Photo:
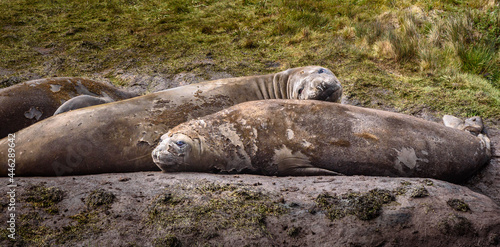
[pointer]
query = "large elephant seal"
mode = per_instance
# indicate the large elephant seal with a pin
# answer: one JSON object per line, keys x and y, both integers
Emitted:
{"x": 119, "y": 136}
{"x": 299, "y": 138}
{"x": 26, "y": 103}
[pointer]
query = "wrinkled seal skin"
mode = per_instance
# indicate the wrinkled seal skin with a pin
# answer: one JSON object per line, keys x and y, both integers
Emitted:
{"x": 119, "y": 136}
{"x": 299, "y": 138}
{"x": 26, "y": 103}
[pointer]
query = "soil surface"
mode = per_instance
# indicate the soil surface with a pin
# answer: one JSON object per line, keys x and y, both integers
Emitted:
{"x": 192, "y": 209}
{"x": 487, "y": 181}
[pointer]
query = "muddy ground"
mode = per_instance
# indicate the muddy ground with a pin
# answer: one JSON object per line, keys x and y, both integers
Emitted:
{"x": 190, "y": 209}
{"x": 487, "y": 181}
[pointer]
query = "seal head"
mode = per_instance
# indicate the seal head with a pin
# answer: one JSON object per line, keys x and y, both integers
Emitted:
{"x": 316, "y": 83}
{"x": 178, "y": 152}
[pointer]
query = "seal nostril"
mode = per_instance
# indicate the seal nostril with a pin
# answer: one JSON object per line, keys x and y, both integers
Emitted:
{"x": 156, "y": 155}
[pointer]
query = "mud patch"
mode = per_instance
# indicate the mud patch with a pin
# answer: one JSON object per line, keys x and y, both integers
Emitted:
{"x": 207, "y": 210}
{"x": 365, "y": 206}
{"x": 40, "y": 196}
{"x": 458, "y": 205}
{"x": 419, "y": 192}
{"x": 99, "y": 197}
{"x": 457, "y": 226}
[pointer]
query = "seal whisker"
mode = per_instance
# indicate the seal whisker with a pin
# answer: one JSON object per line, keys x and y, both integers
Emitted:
{"x": 140, "y": 157}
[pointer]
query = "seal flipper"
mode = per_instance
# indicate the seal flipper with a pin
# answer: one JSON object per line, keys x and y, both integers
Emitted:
{"x": 302, "y": 167}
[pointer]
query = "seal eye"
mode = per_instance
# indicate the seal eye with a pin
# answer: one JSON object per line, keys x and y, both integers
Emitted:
{"x": 321, "y": 71}
{"x": 300, "y": 91}
{"x": 180, "y": 144}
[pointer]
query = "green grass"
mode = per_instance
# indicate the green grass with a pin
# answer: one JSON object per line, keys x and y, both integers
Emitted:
{"x": 439, "y": 55}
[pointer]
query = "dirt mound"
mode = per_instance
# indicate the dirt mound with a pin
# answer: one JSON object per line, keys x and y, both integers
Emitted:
{"x": 186, "y": 209}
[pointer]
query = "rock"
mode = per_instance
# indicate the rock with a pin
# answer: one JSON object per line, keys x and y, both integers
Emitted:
{"x": 487, "y": 180}
{"x": 185, "y": 209}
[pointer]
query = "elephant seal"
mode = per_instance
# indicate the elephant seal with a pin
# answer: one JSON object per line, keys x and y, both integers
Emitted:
{"x": 119, "y": 136}
{"x": 301, "y": 138}
{"x": 26, "y": 103}
{"x": 474, "y": 125}
{"x": 82, "y": 101}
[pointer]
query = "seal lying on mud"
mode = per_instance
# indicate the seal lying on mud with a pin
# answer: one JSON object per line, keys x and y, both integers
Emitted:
{"x": 119, "y": 136}
{"x": 26, "y": 103}
{"x": 287, "y": 137}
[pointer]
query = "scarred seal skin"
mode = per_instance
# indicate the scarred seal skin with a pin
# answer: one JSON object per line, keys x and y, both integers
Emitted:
{"x": 119, "y": 136}
{"x": 301, "y": 138}
{"x": 26, "y": 103}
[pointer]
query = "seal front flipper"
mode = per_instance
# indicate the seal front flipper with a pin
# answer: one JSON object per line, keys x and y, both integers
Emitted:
{"x": 302, "y": 167}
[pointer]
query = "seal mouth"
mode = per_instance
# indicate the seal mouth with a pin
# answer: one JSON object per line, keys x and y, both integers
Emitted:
{"x": 162, "y": 159}
{"x": 167, "y": 161}
{"x": 325, "y": 95}
{"x": 328, "y": 93}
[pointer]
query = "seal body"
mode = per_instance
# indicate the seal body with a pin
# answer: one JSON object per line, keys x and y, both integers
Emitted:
{"x": 287, "y": 137}
{"x": 119, "y": 136}
{"x": 26, "y": 103}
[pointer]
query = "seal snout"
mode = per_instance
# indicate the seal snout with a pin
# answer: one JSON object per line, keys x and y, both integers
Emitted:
{"x": 167, "y": 161}
{"x": 326, "y": 90}
{"x": 160, "y": 155}
{"x": 329, "y": 91}
{"x": 172, "y": 152}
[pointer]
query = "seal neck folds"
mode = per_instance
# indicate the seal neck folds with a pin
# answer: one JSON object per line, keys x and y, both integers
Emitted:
{"x": 311, "y": 82}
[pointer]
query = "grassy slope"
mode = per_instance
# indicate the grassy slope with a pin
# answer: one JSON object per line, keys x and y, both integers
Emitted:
{"x": 440, "y": 56}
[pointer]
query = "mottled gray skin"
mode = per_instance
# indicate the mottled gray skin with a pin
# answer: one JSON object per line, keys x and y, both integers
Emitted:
{"x": 301, "y": 138}
{"x": 26, "y": 103}
{"x": 81, "y": 102}
{"x": 119, "y": 136}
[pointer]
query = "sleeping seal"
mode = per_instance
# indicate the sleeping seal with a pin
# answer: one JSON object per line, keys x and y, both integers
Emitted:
{"x": 301, "y": 138}
{"x": 26, "y": 103}
{"x": 119, "y": 136}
